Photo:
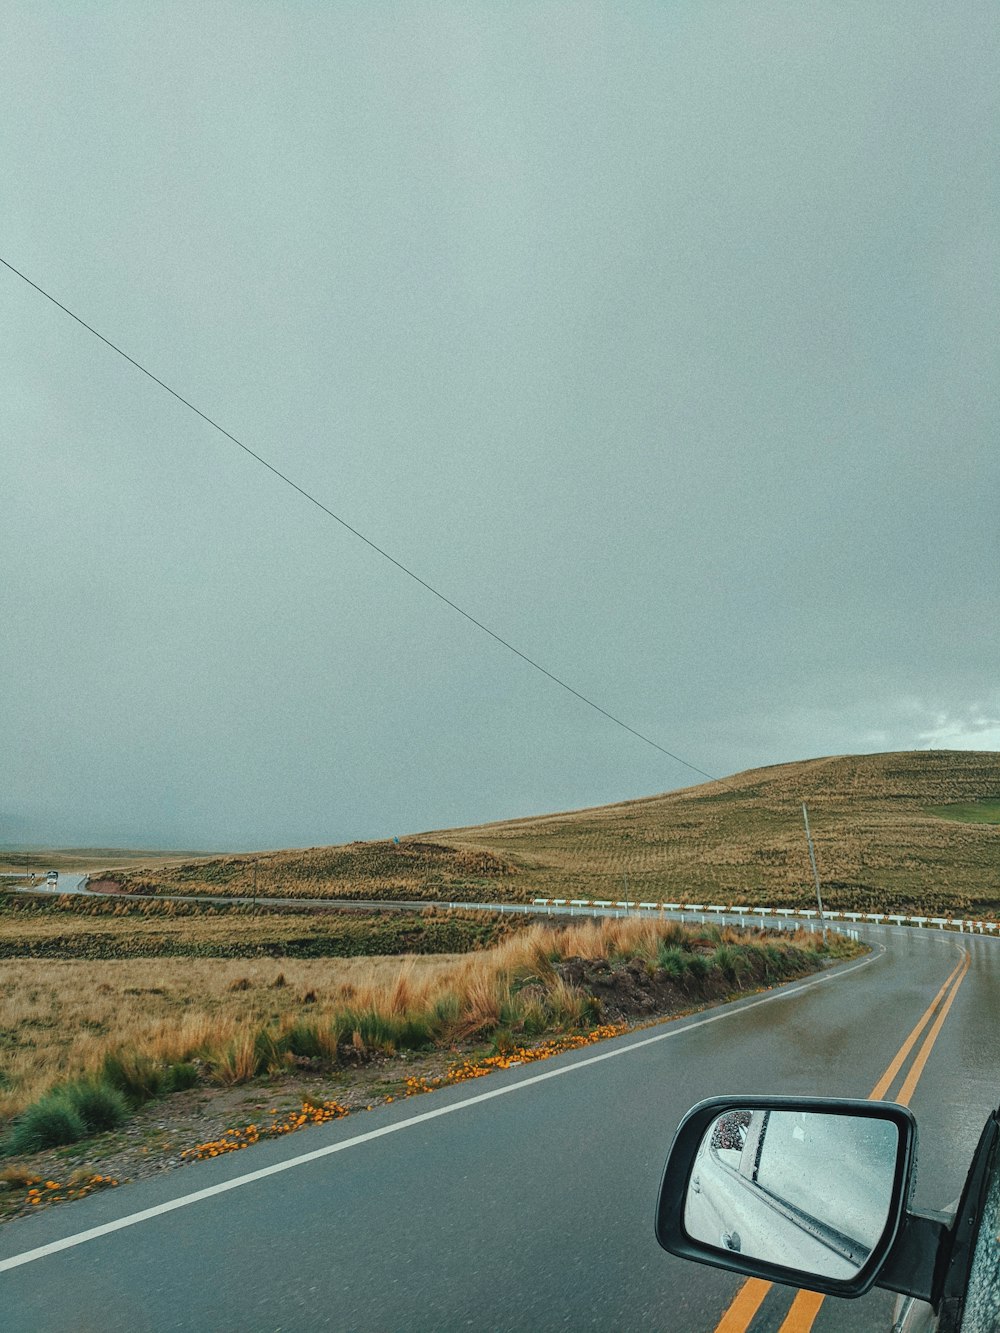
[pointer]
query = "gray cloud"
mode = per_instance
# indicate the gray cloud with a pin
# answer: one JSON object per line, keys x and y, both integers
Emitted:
{"x": 662, "y": 338}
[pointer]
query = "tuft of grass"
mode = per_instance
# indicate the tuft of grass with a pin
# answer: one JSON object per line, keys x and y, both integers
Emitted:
{"x": 673, "y": 960}
{"x": 533, "y": 1017}
{"x": 237, "y": 1061}
{"x": 49, "y": 1123}
{"x": 568, "y": 1007}
{"x": 697, "y": 966}
{"x": 302, "y": 1039}
{"x": 375, "y": 1030}
{"x": 445, "y": 1016}
{"x": 179, "y": 1076}
{"x": 726, "y": 959}
{"x": 99, "y": 1105}
{"x": 136, "y": 1075}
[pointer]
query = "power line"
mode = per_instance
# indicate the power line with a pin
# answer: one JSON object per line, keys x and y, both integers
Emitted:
{"x": 354, "y": 531}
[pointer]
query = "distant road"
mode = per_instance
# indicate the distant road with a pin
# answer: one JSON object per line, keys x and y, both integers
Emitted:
{"x": 523, "y": 1201}
{"x": 68, "y": 883}
{"x": 68, "y": 886}
{"x": 74, "y": 884}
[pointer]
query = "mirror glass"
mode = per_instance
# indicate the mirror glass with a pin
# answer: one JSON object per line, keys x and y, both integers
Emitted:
{"x": 807, "y": 1190}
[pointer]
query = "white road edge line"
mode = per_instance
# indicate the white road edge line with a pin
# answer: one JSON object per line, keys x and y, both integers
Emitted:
{"x": 133, "y": 1219}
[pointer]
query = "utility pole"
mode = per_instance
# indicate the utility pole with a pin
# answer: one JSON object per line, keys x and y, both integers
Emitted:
{"x": 812, "y": 862}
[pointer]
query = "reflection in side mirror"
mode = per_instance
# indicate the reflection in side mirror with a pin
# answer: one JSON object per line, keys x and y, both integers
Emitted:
{"x": 810, "y": 1191}
{"x": 797, "y": 1188}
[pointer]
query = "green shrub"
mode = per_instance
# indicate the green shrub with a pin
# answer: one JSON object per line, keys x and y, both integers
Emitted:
{"x": 137, "y": 1076}
{"x": 503, "y": 1042}
{"x": 673, "y": 960}
{"x": 303, "y": 1039}
{"x": 534, "y": 1018}
{"x": 99, "y": 1105}
{"x": 413, "y": 1031}
{"x": 697, "y": 966}
{"x": 445, "y": 1014}
{"x": 775, "y": 961}
{"x": 180, "y": 1076}
{"x": 672, "y": 933}
{"x": 725, "y": 960}
{"x": 379, "y": 1031}
{"x": 50, "y": 1122}
{"x": 271, "y": 1050}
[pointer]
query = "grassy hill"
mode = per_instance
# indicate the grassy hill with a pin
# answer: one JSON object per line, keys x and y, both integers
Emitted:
{"x": 889, "y": 829}
{"x": 906, "y": 830}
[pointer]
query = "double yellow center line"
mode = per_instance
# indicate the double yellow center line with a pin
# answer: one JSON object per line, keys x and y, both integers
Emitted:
{"x": 807, "y": 1304}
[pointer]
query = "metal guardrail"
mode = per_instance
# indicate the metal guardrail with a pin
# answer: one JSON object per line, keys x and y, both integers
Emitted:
{"x": 599, "y": 906}
{"x": 608, "y": 907}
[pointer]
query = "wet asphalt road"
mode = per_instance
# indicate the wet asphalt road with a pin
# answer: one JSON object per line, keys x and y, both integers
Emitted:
{"x": 529, "y": 1205}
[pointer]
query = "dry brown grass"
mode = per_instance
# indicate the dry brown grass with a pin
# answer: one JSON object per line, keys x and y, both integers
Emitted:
{"x": 415, "y": 870}
{"x": 881, "y": 840}
{"x": 58, "y": 1019}
{"x": 121, "y": 927}
{"x": 62, "y": 1018}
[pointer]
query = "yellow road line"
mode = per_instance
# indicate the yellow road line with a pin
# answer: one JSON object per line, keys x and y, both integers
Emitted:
{"x": 744, "y": 1307}
{"x": 807, "y": 1304}
{"x": 882, "y": 1086}
{"x": 805, "y": 1308}
{"x": 739, "y": 1315}
{"x": 917, "y": 1068}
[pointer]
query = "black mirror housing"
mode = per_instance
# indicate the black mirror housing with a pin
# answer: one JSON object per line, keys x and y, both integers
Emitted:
{"x": 680, "y": 1182}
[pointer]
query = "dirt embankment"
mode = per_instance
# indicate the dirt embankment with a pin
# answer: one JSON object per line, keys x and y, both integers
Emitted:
{"x": 632, "y": 992}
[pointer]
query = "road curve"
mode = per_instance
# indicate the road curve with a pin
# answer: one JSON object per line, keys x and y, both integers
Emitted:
{"x": 521, "y": 1202}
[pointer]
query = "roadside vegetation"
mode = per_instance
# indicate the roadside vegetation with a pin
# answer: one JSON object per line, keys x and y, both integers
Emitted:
{"x": 85, "y": 1043}
{"x": 118, "y": 928}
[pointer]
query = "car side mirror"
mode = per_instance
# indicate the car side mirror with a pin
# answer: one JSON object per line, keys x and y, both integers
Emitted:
{"x": 806, "y": 1191}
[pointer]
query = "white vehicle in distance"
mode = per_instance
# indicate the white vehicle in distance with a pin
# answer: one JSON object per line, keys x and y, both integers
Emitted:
{"x": 52, "y": 877}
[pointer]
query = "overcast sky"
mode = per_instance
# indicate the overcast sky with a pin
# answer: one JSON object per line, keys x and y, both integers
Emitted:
{"x": 661, "y": 337}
